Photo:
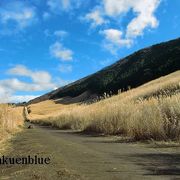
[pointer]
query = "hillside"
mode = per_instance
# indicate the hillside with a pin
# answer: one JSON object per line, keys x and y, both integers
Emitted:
{"x": 149, "y": 111}
{"x": 134, "y": 70}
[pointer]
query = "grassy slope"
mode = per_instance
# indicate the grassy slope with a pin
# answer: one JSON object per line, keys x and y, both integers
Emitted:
{"x": 134, "y": 70}
{"x": 149, "y": 111}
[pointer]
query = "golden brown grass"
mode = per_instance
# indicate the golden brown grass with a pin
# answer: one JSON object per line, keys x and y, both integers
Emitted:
{"x": 11, "y": 118}
{"x": 151, "y": 111}
{"x": 46, "y": 109}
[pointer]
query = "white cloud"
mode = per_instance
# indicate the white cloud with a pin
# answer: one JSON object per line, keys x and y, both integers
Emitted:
{"x": 96, "y": 18}
{"x": 116, "y": 7}
{"x": 41, "y": 81}
{"x": 15, "y": 84}
{"x": 4, "y": 94}
{"x": 114, "y": 41}
{"x": 60, "y": 33}
{"x": 144, "y": 12}
{"x": 65, "y": 68}
{"x": 115, "y": 36}
{"x": 145, "y": 18}
{"x": 36, "y": 76}
{"x": 20, "y": 70}
{"x": 58, "y": 51}
{"x": 19, "y": 98}
{"x": 19, "y": 13}
{"x": 24, "y": 98}
{"x": 57, "y": 6}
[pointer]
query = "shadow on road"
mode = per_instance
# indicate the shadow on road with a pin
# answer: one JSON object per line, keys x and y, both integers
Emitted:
{"x": 157, "y": 164}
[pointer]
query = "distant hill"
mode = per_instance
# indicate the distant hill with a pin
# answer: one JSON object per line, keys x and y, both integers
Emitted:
{"x": 134, "y": 70}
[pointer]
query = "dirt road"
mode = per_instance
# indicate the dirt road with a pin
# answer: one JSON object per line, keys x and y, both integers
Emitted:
{"x": 77, "y": 156}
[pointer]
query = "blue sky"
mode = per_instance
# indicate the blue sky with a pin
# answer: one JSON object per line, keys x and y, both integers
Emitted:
{"x": 45, "y": 44}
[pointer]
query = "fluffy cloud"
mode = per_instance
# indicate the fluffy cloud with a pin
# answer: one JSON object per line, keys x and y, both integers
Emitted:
{"x": 6, "y": 95}
{"x": 19, "y": 12}
{"x": 58, "y": 51}
{"x": 41, "y": 80}
{"x": 15, "y": 84}
{"x": 9, "y": 87}
{"x": 20, "y": 70}
{"x": 145, "y": 18}
{"x": 114, "y": 8}
{"x": 114, "y": 41}
{"x": 96, "y": 18}
{"x": 115, "y": 36}
{"x": 144, "y": 11}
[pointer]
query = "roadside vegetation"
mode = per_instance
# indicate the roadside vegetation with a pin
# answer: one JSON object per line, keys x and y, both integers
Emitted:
{"x": 11, "y": 119}
{"x": 151, "y": 111}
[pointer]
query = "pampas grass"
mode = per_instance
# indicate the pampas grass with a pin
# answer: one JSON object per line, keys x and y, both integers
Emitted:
{"x": 11, "y": 118}
{"x": 151, "y": 111}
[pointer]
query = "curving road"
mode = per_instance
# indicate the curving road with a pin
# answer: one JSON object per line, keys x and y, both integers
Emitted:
{"x": 77, "y": 156}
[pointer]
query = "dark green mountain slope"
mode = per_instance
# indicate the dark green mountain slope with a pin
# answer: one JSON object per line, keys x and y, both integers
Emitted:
{"x": 134, "y": 70}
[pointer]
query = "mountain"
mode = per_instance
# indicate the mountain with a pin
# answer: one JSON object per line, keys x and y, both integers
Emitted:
{"x": 134, "y": 70}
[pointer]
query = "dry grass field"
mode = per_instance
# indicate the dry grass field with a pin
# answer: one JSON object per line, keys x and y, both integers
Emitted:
{"x": 11, "y": 119}
{"x": 151, "y": 111}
